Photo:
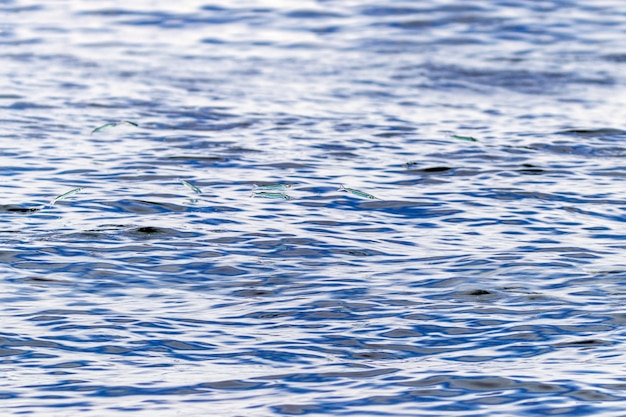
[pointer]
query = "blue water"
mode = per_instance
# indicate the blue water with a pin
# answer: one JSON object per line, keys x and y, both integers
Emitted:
{"x": 487, "y": 278}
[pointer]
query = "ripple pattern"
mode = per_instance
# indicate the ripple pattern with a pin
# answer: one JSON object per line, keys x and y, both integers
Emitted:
{"x": 486, "y": 278}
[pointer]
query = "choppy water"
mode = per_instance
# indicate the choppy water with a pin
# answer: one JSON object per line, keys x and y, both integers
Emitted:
{"x": 488, "y": 278}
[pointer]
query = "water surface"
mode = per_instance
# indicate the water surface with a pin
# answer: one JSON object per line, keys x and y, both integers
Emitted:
{"x": 487, "y": 278}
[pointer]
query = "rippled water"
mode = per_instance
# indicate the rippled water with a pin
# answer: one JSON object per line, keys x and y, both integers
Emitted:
{"x": 486, "y": 278}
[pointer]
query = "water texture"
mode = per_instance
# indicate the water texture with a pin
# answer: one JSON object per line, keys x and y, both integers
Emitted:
{"x": 487, "y": 276}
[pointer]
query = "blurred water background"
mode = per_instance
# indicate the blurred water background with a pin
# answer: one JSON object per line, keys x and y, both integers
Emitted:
{"x": 486, "y": 278}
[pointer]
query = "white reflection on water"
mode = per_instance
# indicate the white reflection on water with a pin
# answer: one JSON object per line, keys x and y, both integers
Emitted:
{"x": 487, "y": 280}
